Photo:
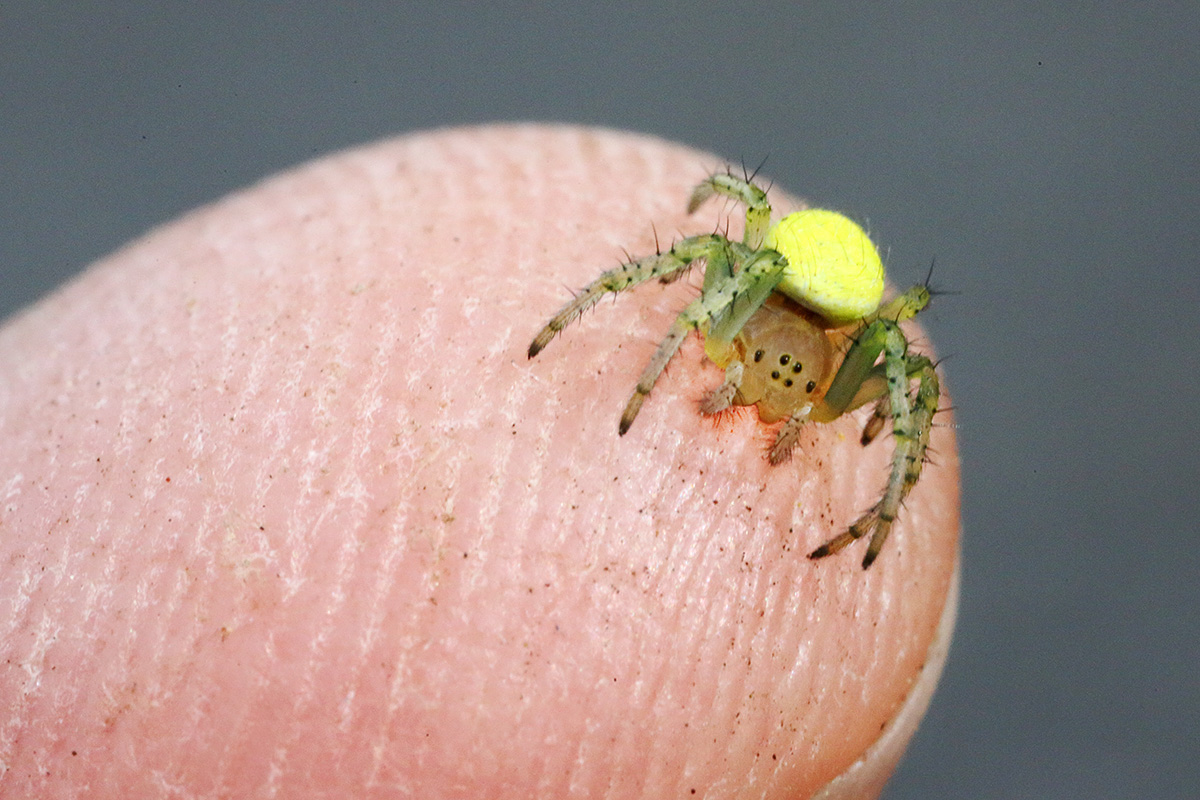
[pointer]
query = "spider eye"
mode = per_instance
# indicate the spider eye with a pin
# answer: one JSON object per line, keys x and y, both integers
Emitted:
{"x": 758, "y": 356}
{"x": 775, "y": 374}
{"x": 797, "y": 367}
{"x": 788, "y": 383}
{"x": 811, "y": 385}
{"x": 784, "y": 359}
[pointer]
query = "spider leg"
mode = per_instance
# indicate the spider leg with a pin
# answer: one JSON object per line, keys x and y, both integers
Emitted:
{"x": 912, "y": 418}
{"x": 876, "y": 387}
{"x": 663, "y": 266}
{"x": 903, "y": 307}
{"x": 722, "y": 397}
{"x": 789, "y": 435}
{"x": 859, "y": 380}
{"x": 751, "y": 288}
{"x": 720, "y": 302}
{"x": 911, "y": 444}
{"x": 883, "y": 410}
{"x": 758, "y": 208}
{"x": 688, "y": 319}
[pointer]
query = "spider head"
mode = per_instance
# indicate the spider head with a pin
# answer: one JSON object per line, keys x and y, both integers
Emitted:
{"x": 787, "y": 359}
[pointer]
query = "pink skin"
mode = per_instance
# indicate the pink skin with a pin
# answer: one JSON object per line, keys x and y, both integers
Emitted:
{"x": 287, "y": 512}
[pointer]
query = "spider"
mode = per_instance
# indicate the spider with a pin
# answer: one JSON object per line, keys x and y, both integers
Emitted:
{"x": 770, "y": 311}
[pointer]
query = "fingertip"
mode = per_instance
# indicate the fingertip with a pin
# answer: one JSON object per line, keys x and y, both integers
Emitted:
{"x": 867, "y": 776}
{"x": 384, "y": 527}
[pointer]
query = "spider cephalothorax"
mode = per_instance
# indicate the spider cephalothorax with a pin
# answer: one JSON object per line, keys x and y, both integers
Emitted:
{"x": 767, "y": 310}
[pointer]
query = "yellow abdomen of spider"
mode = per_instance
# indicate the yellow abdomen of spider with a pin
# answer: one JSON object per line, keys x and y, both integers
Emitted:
{"x": 833, "y": 267}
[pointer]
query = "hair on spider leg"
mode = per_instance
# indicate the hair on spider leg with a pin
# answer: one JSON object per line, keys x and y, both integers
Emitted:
{"x": 945, "y": 409}
{"x": 917, "y": 344}
{"x": 927, "y": 457}
{"x": 937, "y": 364}
{"x": 943, "y": 359}
{"x": 571, "y": 290}
{"x": 749, "y": 177}
{"x": 761, "y": 164}
{"x": 726, "y": 417}
{"x": 949, "y": 426}
{"x": 930, "y": 288}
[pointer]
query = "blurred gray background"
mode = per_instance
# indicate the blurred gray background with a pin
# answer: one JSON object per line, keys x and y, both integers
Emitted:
{"x": 1050, "y": 160}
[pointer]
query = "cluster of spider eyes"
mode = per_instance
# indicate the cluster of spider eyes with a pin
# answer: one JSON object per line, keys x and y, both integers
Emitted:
{"x": 784, "y": 360}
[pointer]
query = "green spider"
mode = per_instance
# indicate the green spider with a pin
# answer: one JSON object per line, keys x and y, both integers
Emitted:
{"x": 769, "y": 311}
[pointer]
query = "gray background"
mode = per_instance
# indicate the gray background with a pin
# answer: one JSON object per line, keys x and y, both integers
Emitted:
{"x": 1048, "y": 159}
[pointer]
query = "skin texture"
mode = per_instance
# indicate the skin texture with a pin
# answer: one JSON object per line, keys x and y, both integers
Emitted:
{"x": 286, "y": 511}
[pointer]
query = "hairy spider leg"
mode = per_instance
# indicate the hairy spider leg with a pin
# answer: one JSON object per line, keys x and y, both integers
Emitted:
{"x": 879, "y": 417}
{"x": 912, "y": 420}
{"x": 718, "y": 338}
{"x": 722, "y": 397}
{"x": 903, "y": 307}
{"x": 789, "y": 435}
{"x": 758, "y": 208}
{"x": 666, "y": 267}
{"x": 722, "y": 304}
{"x": 874, "y": 386}
{"x": 860, "y": 380}
{"x": 911, "y": 455}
